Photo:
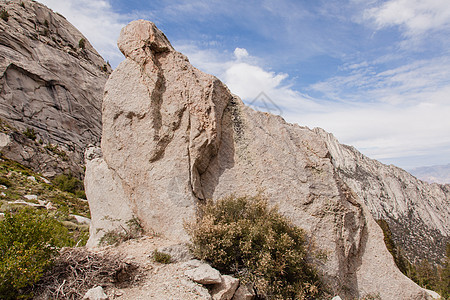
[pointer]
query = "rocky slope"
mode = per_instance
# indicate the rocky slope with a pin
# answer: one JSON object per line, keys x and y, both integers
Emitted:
{"x": 418, "y": 213}
{"x": 51, "y": 87}
{"x": 174, "y": 136}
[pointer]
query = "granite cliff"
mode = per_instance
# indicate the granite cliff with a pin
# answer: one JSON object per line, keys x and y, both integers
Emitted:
{"x": 174, "y": 136}
{"x": 417, "y": 212}
{"x": 51, "y": 88}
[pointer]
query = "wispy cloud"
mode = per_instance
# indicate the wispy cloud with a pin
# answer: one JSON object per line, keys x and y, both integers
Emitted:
{"x": 97, "y": 20}
{"x": 392, "y": 115}
{"x": 415, "y": 17}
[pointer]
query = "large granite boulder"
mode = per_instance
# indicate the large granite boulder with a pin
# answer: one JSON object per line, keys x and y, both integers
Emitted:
{"x": 174, "y": 136}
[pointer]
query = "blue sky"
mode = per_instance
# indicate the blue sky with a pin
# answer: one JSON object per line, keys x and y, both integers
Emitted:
{"x": 374, "y": 73}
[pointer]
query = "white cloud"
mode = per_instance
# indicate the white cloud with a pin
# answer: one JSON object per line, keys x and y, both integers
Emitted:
{"x": 396, "y": 113}
{"x": 96, "y": 20}
{"x": 388, "y": 115}
{"x": 240, "y": 53}
{"x": 415, "y": 16}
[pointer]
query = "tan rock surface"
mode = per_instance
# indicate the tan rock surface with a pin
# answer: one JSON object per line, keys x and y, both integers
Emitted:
{"x": 417, "y": 212}
{"x": 157, "y": 281}
{"x": 50, "y": 85}
{"x": 174, "y": 136}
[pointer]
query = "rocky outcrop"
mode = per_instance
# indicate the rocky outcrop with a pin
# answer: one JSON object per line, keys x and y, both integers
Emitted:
{"x": 174, "y": 136}
{"x": 418, "y": 213}
{"x": 51, "y": 86}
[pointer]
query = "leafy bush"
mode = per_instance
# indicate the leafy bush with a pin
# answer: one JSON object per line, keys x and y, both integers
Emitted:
{"x": 4, "y": 15}
{"x": 4, "y": 181}
{"x": 116, "y": 236}
{"x": 71, "y": 184}
{"x": 28, "y": 241}
{"x": 82, "y": 43}
{"x": 29, "y": 133}
{"x": 246, "y": 238}
{"x": 161, "y": 257}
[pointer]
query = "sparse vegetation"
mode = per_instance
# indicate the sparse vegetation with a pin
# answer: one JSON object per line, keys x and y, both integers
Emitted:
{"x": 22, "y": 4}
{"x": 5, "y": 182}
{"x": 69, "y": 183}
{"x": 29, "y": 133}
{"x": 4, "y": 15}
{"x": 29, "y": 239}
{"x": 162, "y": 257}
{"x": 245, "y": 238}
{"x": 55, "y": 149}
{"x": 82, "y": 43}
{"x": 424, "y": 273}
{"x": 121, "y": 234}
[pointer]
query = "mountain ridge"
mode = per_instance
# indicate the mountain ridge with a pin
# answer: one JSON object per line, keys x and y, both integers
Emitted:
{"x": 51, "y": 87}
{"x": 433, "y": 174}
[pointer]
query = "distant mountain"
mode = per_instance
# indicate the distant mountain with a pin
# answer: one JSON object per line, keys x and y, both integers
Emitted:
{"x": 436, "y": 174}
{"x": 51, "y": 89}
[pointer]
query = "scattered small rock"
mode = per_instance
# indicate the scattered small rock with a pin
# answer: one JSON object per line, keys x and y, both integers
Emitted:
{"x": 225, "y": 289}
{"x": 31, "y": 197}
{"x": 2, "y": 194}
{"x": 96, "y": 293}
{"x": 178, "y": 253}
{"x": 49, "y": 206}
{"x": 31, "y": 178}
{"x": 190, "y": 264}
{"x": 204, "y": 274}
{"x": 336, "y": 298}
{"x": 45, "y": 180}
{"x": 244, "y": 292}
{"x": 25, "y": 203}
{"x": 433, "y": 294}
{"x": 81, "y": 219}
{"x": 3, "y": 187}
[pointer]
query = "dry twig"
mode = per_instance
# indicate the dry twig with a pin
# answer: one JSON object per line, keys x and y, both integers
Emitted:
{"x": 77, "y": 270}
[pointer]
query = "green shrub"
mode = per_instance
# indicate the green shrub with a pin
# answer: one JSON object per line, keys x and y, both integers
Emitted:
{"x": 121, "y": 234}
{"x": 4, "y": 181}
{"x": 28, "y": 241}
{"x": 82, "y": 43}
{"x": 4, "y": 15}
{"x": 54, "y": 148}
{"x": 162, "y": 257}
{"x": 246, "y": 238}
{"x": 71, "y": 184}
{"x": 426, "y": 274}
{"x": 29, "y": 133}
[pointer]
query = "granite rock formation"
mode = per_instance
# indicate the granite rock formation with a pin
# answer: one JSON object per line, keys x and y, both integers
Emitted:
{"x": 174, "y": 136}
{"x": 418, "y": 213}
{"x": 51, "y": 86}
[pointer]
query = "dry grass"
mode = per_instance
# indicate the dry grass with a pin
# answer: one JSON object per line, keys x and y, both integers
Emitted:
{"x": 77, "y": 270}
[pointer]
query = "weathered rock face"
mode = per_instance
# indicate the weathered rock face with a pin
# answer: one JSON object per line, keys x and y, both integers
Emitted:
{"x": 49, "y": 83}
{"x": 173, "y": 136}
{"x": 418, "y": 213}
